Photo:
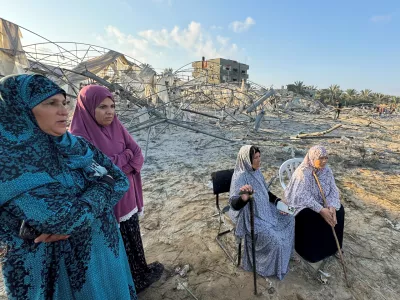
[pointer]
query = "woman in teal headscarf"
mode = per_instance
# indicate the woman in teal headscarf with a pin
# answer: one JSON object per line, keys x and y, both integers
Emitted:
{"x": 61, "y": 191}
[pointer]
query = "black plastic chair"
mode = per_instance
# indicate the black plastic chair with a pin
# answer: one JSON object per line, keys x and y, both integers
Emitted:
{"x": 221, "y": 184}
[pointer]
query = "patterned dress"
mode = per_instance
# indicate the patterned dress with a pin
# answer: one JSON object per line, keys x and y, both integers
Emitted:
{"x": 314, "y": 239}
{"x": 51, "y": 184}
{"x": 274, "y": 232}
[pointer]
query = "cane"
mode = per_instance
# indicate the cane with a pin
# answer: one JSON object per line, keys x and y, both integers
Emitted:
{"x": 333, "y": 230}
{"x": 253, "y": 243}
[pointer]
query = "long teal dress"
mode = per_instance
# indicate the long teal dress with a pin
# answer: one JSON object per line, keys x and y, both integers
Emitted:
{"x": 53, "y": 184}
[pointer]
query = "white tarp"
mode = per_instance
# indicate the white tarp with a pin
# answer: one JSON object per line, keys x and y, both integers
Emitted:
{"x": 12, "y": 57}
{"x": 106, "y": 66}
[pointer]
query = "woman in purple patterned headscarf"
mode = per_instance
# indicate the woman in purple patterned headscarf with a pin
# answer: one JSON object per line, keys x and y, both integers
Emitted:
{"x": 314, "y": 240}
{"x": 95, "y": 120}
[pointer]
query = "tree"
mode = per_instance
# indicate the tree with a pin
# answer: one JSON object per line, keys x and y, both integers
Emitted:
{"x": 299, "y": 87}
{"x": 365, "y": 95}
{"x": 351, "y": 95}
{"x": 379, "y": 97}
{"x": 312, "y": 87}
{"x": 395, "y": 99}
{"x": 334, "y": 92}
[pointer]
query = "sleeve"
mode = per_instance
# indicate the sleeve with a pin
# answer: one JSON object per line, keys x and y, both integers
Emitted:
{"x": 54, "y": 209}
{"x": 315, "y": 206}
{"x": 121, "y": 160}
{"x": 298, "y": 194}
{"x": 237, "y": 203}
{"x": 272, "y": 198}
{"x": 332, "y": 192}
{"x": 121, "y": 181}
{"x": 135, "y": 163}
{"x": 308, "y": 197}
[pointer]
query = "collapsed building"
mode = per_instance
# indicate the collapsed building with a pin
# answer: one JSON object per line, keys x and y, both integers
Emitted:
{"x": 215, "y": 89}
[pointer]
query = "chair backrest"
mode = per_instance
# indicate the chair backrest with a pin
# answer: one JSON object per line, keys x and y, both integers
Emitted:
{"x": 287, "y": 169}
{"x": 222, "y": 181}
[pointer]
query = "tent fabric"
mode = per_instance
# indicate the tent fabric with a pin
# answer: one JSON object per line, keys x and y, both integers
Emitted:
{"x": 12, "y": 56}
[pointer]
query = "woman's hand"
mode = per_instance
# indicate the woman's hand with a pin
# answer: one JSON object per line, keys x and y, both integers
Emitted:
{"x": 327, "y": 215}
{"x": 246, "y": 188}
{"x": 333, "y": 213}
{"x": 48, "y": 238}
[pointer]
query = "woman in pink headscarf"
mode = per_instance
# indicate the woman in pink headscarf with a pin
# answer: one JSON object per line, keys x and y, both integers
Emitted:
{"x": 95, "y": 120}
{"x": 314, "y": 239}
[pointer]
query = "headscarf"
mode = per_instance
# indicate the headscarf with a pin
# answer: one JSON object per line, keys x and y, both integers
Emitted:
{"x": 112, "y": 140}
{"x": 265, "y": 213}
{"x": 303, "y": 191}
{"x": 29, "y": 157}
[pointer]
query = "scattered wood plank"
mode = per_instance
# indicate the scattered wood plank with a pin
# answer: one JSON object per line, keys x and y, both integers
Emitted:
{"x": 315, "y": 134}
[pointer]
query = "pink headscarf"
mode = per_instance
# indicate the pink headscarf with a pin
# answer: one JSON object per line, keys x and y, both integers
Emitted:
{"x": 115, "y": 142}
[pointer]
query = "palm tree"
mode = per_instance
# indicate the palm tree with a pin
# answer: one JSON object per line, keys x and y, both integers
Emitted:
{"x": 394, "y": 99}
{"x": 334, "y": 91}
{"x": 351, "y": 95}
{"x": 379, "y": 97}
{"x": 312, "y": 87}
{"x": 322, "y": 95}
{"x": 365, "y": 95}
{"x": 299, "y": 87}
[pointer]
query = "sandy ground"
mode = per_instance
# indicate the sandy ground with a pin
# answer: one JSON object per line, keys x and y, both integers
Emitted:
{"x": 179, "y": 226}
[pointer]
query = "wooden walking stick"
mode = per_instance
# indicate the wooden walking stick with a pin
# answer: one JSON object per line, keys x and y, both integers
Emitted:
{"x": 253, "y": 243}
{"x": 333, "y": 230}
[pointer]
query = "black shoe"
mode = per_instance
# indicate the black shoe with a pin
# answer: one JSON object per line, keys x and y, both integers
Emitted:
{"x": 154, "y": 273}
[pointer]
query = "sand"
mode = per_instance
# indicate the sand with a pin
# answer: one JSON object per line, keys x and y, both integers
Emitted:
{"x": 179, "y": 226}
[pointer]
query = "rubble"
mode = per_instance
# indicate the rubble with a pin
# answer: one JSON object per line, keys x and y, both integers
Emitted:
{"x": 188, "y": 128}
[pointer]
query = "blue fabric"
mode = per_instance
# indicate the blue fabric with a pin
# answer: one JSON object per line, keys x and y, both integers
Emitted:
{"x": 52, "y": 184}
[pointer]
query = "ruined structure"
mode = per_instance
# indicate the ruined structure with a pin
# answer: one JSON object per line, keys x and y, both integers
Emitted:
{"x": 220, "y": 70}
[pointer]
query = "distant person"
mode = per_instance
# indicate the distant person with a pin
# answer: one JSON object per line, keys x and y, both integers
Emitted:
{"x": 314, "y": 238}
{"x": 338, "y": 107}
{"x": 58, "y": 228}
{"x": 94, "y": 119}
{"x": 274, "y": 231}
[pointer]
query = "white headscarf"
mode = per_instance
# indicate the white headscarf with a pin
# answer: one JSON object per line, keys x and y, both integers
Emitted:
{"x": 302, "y": 190}
{"x": 264, "y": 211}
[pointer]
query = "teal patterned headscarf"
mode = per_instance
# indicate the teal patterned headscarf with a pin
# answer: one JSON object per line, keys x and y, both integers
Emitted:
{"x": 28, "y": 156}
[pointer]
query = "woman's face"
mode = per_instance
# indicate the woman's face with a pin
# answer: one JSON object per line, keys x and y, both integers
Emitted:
{"x": 256, "y": 161}
{"x": 52, "y": 115}
{"x": 104, "y": 113}
{"x": 321, "y": 162}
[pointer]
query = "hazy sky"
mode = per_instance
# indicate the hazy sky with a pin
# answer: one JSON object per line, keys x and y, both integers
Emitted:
{"x": 353, "y": 43}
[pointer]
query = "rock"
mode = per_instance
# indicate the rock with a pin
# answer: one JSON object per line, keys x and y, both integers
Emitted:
{"x": 151, "y": 225}
{"x": 300, "y": 297}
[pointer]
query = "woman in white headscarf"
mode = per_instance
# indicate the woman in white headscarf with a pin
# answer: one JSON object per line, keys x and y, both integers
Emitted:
{"x": 314, "y": 239}
{"x": 274, "y": 232}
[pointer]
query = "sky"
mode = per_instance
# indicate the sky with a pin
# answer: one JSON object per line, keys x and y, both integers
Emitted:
{"x": 353, "y": 43}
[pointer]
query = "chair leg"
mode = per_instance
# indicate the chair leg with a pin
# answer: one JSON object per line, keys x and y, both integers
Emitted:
{"x": 221, "y": 244}
{"x": 239, "y": 253}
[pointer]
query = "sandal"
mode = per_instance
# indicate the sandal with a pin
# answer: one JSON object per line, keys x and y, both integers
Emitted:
{"x": 337, "y": 254}
{"x": 296, "y": 258}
